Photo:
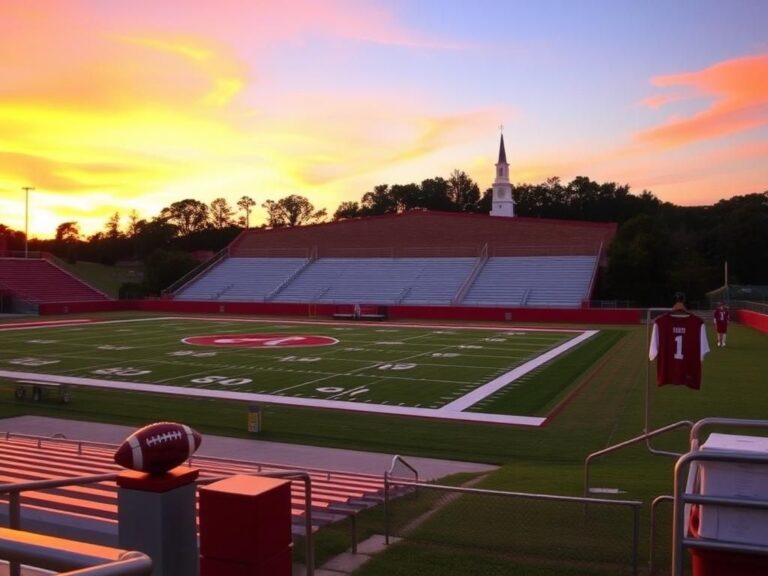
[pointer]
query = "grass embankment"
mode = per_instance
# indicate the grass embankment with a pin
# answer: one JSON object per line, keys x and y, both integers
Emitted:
{"x": 108, "y": 279}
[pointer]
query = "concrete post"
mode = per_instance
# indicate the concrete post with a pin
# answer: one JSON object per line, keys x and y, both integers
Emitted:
{"x": 156, "y": 515}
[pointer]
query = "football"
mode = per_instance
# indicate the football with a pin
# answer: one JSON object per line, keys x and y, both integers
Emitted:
{"x": 158, "y": 448}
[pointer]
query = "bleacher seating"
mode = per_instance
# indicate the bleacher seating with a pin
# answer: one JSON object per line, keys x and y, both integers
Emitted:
{"x": 417, "y": 258}
{"x": 241, "y": 279}
{"x": 93, "y": 508}
{"x": 37, "y": 280}
{"x": 536, "y": 281}
{"x": 379, "y": 280}
{"x": 533, "y": 281}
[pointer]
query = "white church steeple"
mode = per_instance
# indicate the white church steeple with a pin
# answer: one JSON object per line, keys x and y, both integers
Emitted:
{"x": 503, "y": 204}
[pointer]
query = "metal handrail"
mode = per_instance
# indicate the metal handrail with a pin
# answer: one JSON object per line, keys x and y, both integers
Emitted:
{"x": 635, "y": 505}
{"x": 652, "y": 540}
{"x": 60, "y": 440}
{"x": 196, "y": 271}
{"x": 680, "y": 539}
{"x": 624, "y": 444}
{"x": 59, "y": 554}
{"x": 461, "y": 293}
{"x": 15, "y": 489}
{"x": 730, "y": 422}
{"x": 595, "y": 269}
{"x": 130, "y": 564}
{"x": 291, "y": 277}
{"x": 397, "y": 458}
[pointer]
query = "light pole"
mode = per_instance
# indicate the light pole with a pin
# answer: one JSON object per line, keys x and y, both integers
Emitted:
{"x": 26, "y": 189}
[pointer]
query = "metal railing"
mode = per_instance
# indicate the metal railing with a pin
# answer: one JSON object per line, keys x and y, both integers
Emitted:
{"x": 680, "y": 537}
{"x": 76, "y": 558}
{"x": 636, "y": 440}
{"x": 14, "y": 500}
{"x": 595, "y": 268}
{"x": 196, "y": 271}
{"x": 291, "y": 277}
{"x": 722, "y": 422}
{"x": 467, "y": 524}
{"x": 461, "y": 293}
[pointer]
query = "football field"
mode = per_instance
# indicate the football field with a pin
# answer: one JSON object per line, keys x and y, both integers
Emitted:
{"x": 473, "y": 374}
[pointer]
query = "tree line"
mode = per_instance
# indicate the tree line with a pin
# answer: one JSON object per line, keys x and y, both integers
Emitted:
{"x": 660, "y": 248}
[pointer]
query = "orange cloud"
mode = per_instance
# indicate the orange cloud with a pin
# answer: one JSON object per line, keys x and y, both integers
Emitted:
{"x": 738, "y": 90}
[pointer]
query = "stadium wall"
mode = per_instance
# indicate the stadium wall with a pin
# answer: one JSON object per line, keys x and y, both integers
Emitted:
{"x": 546, "y": 315}
{"x": 753, "y": 319}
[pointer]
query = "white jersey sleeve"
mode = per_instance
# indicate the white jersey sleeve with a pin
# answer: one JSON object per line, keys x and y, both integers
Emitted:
{"x": 653, "y": 351}
{"x": 704, "y": 346}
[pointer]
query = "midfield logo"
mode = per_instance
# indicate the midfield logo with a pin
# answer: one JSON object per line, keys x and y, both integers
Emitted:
{"x": 261, "y": 340}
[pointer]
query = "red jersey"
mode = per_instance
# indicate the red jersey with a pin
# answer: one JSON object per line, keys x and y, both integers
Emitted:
{"x": 679, "y": 340}
{"x": 721, "y": 317}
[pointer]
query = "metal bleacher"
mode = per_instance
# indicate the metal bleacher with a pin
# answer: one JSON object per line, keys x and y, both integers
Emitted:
{"x": 378, "y": 280}
{"x": 534, "y": 281}
{"x": 91, "y": 510}
{"x": 241, "y": 279}
{"x": 38, "y": 280}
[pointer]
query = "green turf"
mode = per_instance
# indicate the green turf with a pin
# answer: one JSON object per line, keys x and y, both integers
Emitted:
{"x": 394, "y": 365}
{"x": 604, "y": 406}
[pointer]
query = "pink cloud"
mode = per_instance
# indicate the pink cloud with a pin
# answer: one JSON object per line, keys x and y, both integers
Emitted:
{"x": 739, "y": 92}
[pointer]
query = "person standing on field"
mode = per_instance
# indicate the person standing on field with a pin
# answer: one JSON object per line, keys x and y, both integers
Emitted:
{"x": 721, "y": 318}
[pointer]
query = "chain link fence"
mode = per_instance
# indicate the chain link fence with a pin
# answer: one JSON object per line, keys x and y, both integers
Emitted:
{"x": 532, "y": 533}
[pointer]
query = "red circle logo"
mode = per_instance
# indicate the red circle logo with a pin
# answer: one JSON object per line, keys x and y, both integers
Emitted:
{"x": 261, "y": 340}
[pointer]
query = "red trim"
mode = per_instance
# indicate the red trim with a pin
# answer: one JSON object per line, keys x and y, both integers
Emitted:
{"x": 546, "y": 315}
{"x": 752, "y": 319}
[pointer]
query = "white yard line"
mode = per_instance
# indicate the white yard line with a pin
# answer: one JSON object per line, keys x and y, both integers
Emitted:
{"x": 268, "y": 399}
{"x": 497, "y": 384}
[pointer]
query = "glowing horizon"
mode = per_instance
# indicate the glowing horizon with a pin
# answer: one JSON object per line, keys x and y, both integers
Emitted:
{"x": 116, "y": 107}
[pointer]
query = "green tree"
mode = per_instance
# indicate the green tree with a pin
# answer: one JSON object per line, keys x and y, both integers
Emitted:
{"x": 378, "y": 201}
{"x": 67, "y": 239}
{"x": 151, "y": 235}
{"x": 163, "y": 267}
{"x": 133, "y": 224}
{"x": 293, "y": 210}
{"x": 434, "y": 194}
{"x": 221, "y": 213}
{"x": 68, "y": 232}
{"x": 187, "y": 216}
{"x": 463, "y": 192}
{"x": 246, "y": 203}
{"x": 640, "y": 262}
{"x": 113, "y": 226}
{"x": 347, "y": 210}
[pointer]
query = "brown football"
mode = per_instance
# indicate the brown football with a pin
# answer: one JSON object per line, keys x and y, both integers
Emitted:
{"x": 158, "y": 448}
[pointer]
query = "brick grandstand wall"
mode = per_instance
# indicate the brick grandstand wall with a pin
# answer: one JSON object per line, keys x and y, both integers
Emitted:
{"x": 423, "y": 233}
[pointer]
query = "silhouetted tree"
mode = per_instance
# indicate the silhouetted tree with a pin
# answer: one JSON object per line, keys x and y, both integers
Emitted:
{"x": 186, "y": 215}
{"x": 245, "y": 204}
{"x": 293, "y": 210}
{"x": 221, "y": 213}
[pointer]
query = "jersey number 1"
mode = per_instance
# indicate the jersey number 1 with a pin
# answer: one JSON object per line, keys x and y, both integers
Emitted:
{"x": 678, "y": 347}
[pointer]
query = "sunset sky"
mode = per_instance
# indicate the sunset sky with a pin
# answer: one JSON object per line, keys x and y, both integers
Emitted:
{"x": 119, "y": 105}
